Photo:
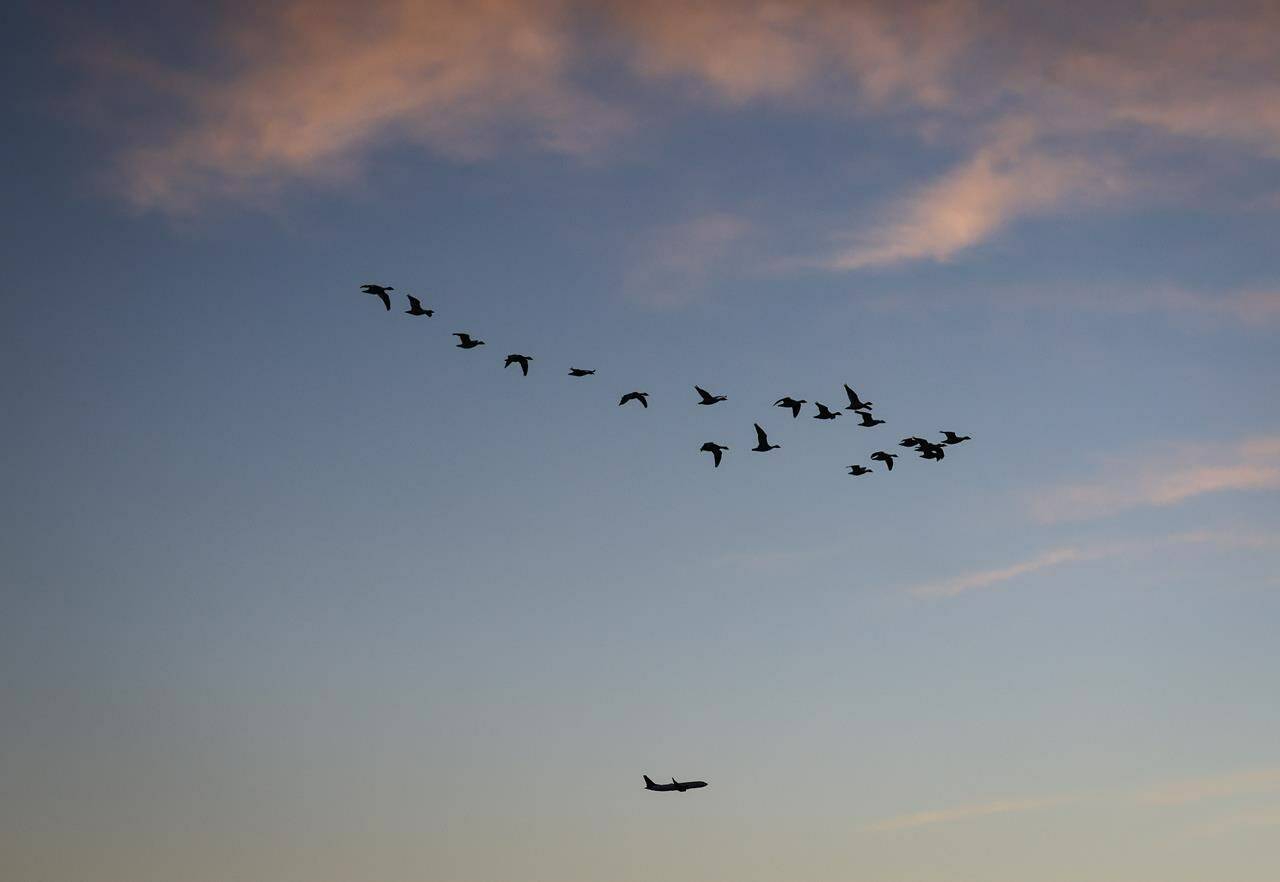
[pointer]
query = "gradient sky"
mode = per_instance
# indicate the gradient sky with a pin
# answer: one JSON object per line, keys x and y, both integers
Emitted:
{"x": 293, "y": 590}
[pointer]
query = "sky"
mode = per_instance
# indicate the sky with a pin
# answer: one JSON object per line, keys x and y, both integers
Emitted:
{"x": 293, "y": 589}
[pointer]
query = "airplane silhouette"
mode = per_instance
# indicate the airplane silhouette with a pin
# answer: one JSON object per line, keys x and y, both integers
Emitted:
{"x": 681, "y": 786}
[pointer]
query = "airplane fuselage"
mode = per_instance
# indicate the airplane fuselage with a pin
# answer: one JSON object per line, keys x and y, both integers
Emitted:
{"x": 679, "y": 786}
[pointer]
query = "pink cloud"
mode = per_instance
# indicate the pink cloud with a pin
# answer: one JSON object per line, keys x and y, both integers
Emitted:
{"x": 305, "y": 91}
{"x": 1156, "y": 479}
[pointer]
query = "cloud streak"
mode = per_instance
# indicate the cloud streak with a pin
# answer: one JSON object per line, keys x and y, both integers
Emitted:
{"x": 1172, "y": 795}
{"x": 1155, "y": 478}
{"x": 1058, "y": 557}
{"x": 1043, "y": 113}
{"x": 964, "y": 813}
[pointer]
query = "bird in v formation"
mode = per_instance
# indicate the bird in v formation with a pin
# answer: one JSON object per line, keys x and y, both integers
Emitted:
{"x": 926, "y": 449}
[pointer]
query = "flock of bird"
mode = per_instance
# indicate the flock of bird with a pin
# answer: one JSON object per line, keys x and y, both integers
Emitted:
{"x": 934, "y": 450}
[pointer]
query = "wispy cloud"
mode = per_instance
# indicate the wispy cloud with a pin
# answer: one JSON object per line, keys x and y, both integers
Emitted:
{"x": 1061, "y": 556}
{"x": 1040, "y": 117}
{"x": 1003, "y": 181}
{"x": 1214, "y": 787}
{"x": 673, "y": 264}
{"x": 305, "y": 90}
{"x": 1243, "y": 820}
{"x": 1163, "y": 477}
{"x": 1180, "y": 793}
{"x": 964, "y": 813}
{"x": 987, "y": 578}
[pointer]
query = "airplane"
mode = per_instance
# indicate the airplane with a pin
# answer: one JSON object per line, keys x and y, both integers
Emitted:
{"x": 682, "y": 786}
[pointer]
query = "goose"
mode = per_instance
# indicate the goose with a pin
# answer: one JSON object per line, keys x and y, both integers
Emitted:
{"x": 465, "y": 341}
{"x": 379, "y": 291}
{"x": 855, "y": 403}
{"x": 642, "y": 397}
{"x": 522, "y": 360}
{"x": 716, "y": 451}
{"x": 762, "y": 441}
{"x": 886, "y": 458}
{"x": 857, "y": 470}
{"x": 707, "y": 397}
{"x": 792, "y": 403}
{"x": 952, "y": 437}
{"x": 415, "y": 307}
{"x": 823, "y": 413}
{"x": 579, "y": 372}
{"x": 868, "y": 420}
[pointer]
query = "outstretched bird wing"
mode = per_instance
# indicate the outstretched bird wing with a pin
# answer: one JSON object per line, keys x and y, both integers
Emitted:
{"x": 706, "y": 396}
{"x": 385, "y": 298}
{"x": 761, "y": 437}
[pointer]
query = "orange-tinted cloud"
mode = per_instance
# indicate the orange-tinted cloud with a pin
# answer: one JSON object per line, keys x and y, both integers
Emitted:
{"x": 1045, "y": 108}
{"x": 309, "y": 87}
{"x": 1161, "y": 478}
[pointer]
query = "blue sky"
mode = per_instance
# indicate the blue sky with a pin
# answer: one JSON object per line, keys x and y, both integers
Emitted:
{"x": 294, "y": 589}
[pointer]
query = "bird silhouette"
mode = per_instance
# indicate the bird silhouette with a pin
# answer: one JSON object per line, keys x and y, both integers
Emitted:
{"x": 579, "y": 372}
{"x": 465, "y": 341}
{"x": 952, "y": 437}
{"x": 857, "y": 470}
{"x": 868, "y": 420}
{"x": 522, "y": 360}
{"x": 642, "y": 397}
{"x": 762, "y": 441}
{"x": 380, "y": 292}
{"x": 932, "y": 451}
{"x": 912, "y": 441}
{"x": 855, "y": 403}
{"x": 707, "y": 397}
{"x": 716, "y": 451}
{"x": 886, "y": 458}
{"x": 791, "y": 403}
{"x": 415, "y": 307}
{"x": 823, "y": 413}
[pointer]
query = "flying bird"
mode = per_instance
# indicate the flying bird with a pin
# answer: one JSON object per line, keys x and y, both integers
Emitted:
{"x": 932, "y": 451}
{"x": 791, "y": 403}
{"x": 716, "y": 451}
{"x": 762, "y": 441}
{"x": 857, "y": 470}
{"x": 379, "y": 291}
{"x": 465, "y": 341}
{"x": 823, "y": 413}
{"x": 868, "y": 420}
{"x": 522, "y": 360}
{"x": 415, "y": 307}
{"x": 579, "y": 372}
{"x": 642, "y": 397}
{"x": 855, "y": 403}
{"x": 913, "y": 441}
{"x": 886, "y": 458}
{"x": 952, "y": 437}
{"x": 707, "y": 397}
